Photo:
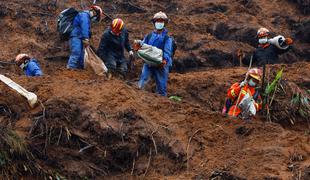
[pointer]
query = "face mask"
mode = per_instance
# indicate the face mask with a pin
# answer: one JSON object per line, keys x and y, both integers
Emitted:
{"x": 159, "y": 25}
{"x": 93, "y": 16}
{"x": 252, "y": 83}
{"x": 263, "y": 40}
{"x": 23, "y": 65}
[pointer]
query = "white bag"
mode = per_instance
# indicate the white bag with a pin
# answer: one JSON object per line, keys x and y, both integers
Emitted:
{"x": 247, "y": 106}
{"x": 150, "y": 54}
{"x": 275, "y": 41}
{"x": 92, "y": 60}
{"x": 31, "y": 97}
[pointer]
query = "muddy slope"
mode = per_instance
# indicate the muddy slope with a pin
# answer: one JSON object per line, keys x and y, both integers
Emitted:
{"x": 91, "y": 128}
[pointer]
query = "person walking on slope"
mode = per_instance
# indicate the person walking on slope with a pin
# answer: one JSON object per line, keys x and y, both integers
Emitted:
{"x": 29, "y": 65}
{"x": 238, "y": 91}
{"x": 80, "y": 35}
{"x": 268, "y": 49}
{"x": 160, "y": 39}
{"x": 111, "y": 48}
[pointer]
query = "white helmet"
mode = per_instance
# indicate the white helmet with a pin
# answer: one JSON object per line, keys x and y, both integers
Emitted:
{"x": 160, "y": 15}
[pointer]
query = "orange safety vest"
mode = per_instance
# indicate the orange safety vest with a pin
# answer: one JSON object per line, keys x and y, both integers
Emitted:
{"x": 233, "y": 94}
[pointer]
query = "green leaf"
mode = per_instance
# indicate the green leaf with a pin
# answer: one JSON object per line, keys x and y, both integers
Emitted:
{"x": 271, "y": 87}
{"x": 176, "y": 98}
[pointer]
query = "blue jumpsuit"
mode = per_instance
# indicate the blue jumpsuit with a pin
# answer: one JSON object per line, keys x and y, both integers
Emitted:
{"x": 81, "y": 31}
{"x": 32, "y": 68}
{"x": 160, "y": 75}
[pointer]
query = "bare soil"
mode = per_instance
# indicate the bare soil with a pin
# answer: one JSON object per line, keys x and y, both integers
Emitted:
{"x": 88, "y": 127}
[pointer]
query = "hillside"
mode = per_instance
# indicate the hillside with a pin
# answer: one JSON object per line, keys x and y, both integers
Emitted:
{"x": 88, "y": 127}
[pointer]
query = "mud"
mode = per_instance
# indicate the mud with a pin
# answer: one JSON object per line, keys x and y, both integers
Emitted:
{"x": 87, "y": 127}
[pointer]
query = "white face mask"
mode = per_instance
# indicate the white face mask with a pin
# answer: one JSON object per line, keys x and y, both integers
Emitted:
{"x": 252, "y": 83}
{"x": 23, "y": 65}
{"x": 93, "y": 17}
{"x": 159, "y": 25}
{"x": 263, "y": 40}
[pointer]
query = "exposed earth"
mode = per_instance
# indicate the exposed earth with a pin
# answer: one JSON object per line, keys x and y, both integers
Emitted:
{"x": 88, "y": 127}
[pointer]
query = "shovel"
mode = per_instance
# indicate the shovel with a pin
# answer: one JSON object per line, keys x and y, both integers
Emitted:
{"x": 31, "y": 97}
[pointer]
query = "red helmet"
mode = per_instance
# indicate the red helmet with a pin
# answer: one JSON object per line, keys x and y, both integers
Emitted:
{"x": 21, "y": 58}
{"x": 255, "y": 73}
{"x": 98, "y": 10}
{"x": 117, "y": 26}
{"x": 263, "y": 32}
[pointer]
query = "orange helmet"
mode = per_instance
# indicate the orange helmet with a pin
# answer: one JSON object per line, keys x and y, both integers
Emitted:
{"x": 255, "y": 73}
{"x": 117, "y": 26}
{"x": 21, "y": 58}
{"x": 262, "y": 32}
{"x": 99, "y": 12}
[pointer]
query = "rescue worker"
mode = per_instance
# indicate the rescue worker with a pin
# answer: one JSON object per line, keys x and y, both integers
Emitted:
{"x": 238, "y": 91}
{"x": 29, "y": 65}
{"x": 160, "y": 39}
{"x": 268, "y": 49}
{"x": 80, "y": 35}
{"x": 114, "y": 41}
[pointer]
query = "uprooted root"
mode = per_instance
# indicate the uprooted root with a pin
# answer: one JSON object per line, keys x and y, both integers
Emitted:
{"x": 63, "y": 126}
{"x": 295, "y": 109}
{"x": 15, "y": 159}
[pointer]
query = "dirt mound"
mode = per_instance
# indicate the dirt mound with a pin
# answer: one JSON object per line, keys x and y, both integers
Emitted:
{"x": 83, "y": 144}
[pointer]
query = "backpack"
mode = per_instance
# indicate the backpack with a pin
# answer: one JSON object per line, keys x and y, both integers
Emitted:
{"x": 174, "y": 43}
{"x": 65, "y": 22}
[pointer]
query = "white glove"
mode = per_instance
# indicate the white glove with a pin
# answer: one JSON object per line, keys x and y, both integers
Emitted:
{"x": 130, "y": 53}
{"x": 86, "y": 42}
{"x": 243, "y": 83}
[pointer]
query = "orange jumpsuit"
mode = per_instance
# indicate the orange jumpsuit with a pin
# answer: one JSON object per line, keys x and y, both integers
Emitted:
{"x": 233, "y": 93}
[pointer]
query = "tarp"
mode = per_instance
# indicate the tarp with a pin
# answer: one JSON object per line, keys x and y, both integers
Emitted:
{"x": 93, "y": 61}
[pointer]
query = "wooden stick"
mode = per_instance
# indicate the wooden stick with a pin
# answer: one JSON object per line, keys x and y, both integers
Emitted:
{"x": 60, "y": 134}
{"x": 86, "y": 147}
{"x": 148, "y": 164}
{"x": 133, "y": 166}
{"x": 154, "y": 143}
{"x": 188, "y": 146}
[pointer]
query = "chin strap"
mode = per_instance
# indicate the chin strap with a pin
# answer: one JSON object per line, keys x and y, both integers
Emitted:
{"x": 264, "y": 46}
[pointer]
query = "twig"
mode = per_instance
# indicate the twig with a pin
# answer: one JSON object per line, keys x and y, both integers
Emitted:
{"x": 43, "y": 109}
{"x": 121, "y": 132}
{"x": 42, "y": 14}
{"x": 188, "y": 146}
{"x": 281, "y": 86}
{"x": 148, "y": 164}
{"x": 137, "y": 7}
{"x": 154, "y": 142}
{"x": 133, "y": 166}
{"x": 98, "y": 169}
{"x": 274, "y": 93}
{"x": 50, "y": 134}
{"x": 37, "y": 121}
{"x": 84, "y": 148}
{"x": 35, "y": 125}
{"x": 60, "y": 134}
